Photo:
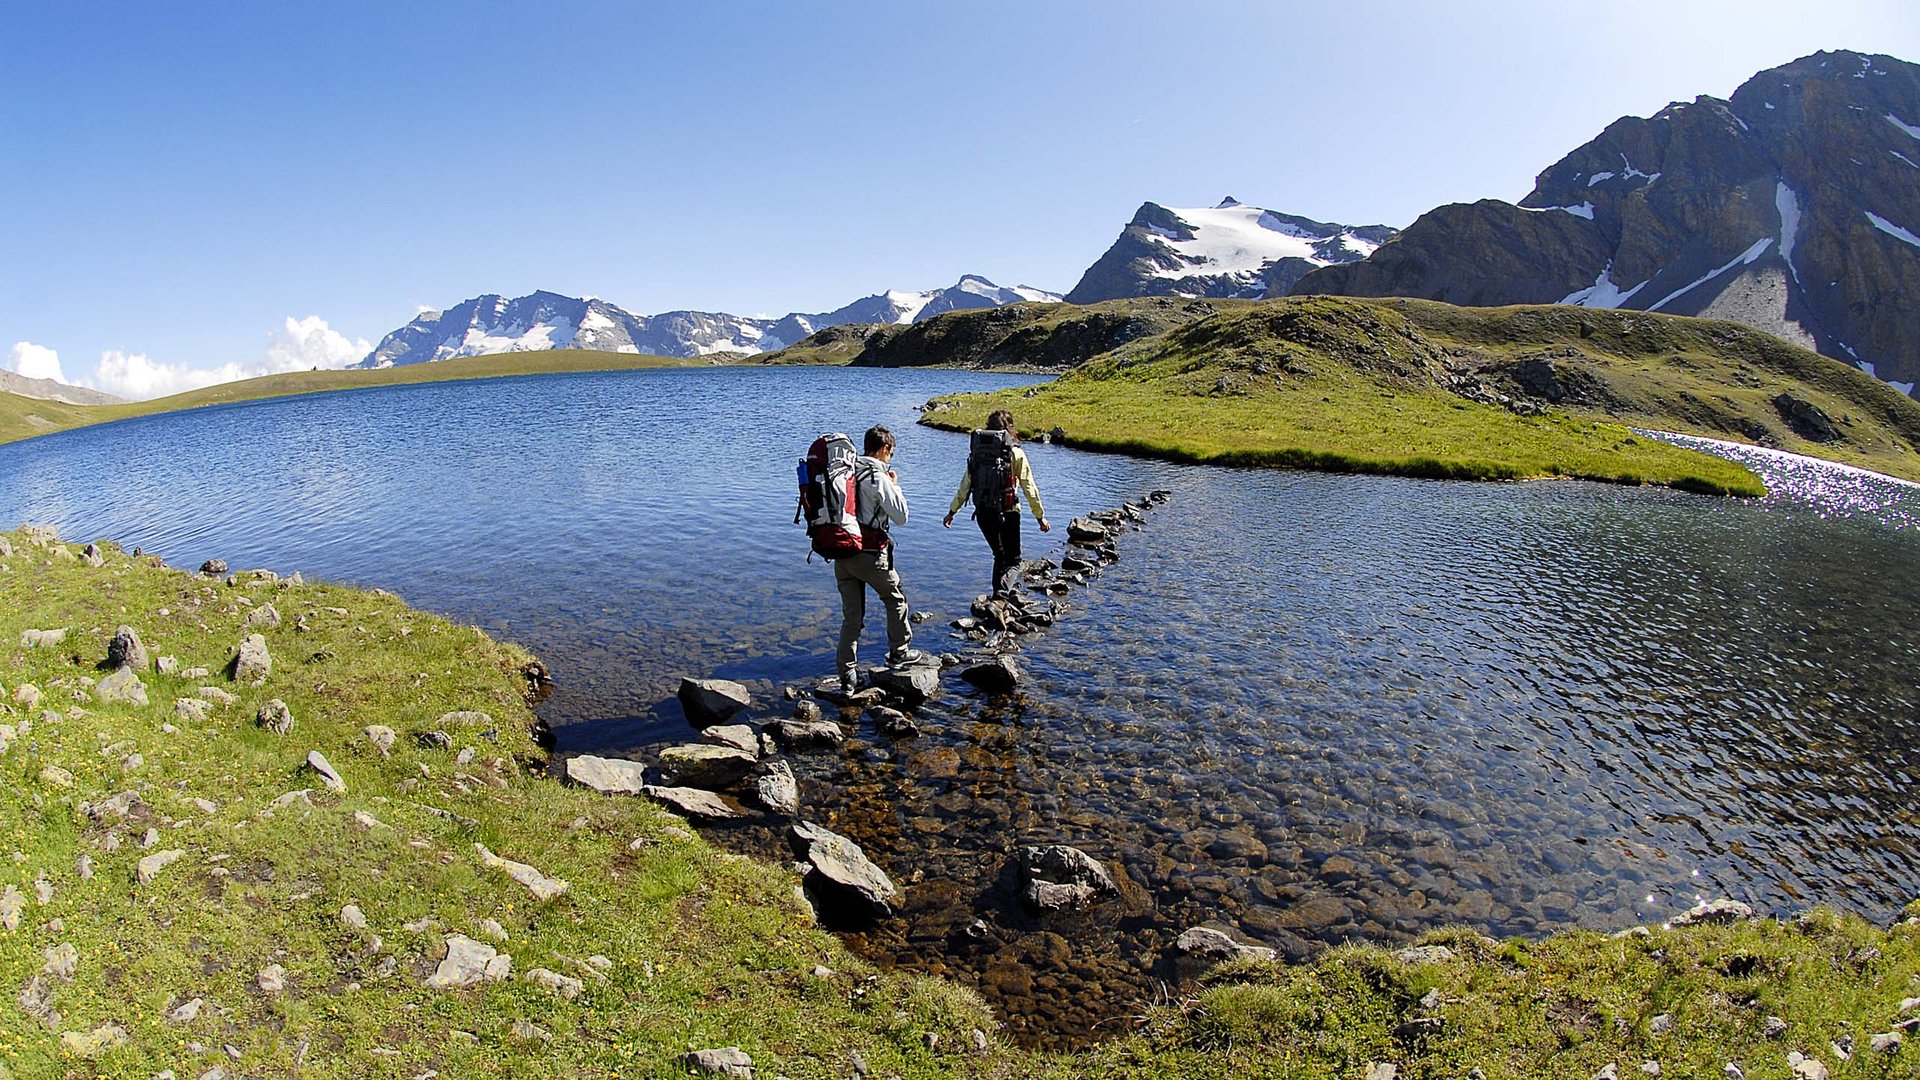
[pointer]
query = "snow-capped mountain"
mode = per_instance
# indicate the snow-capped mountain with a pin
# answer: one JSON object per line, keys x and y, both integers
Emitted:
{"x": 1229, "y": 250}
{"x": 1793, "y": 207}
{"x": 543, "y": 320}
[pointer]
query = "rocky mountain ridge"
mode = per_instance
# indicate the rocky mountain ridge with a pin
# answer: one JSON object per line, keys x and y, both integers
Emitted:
{"x": 543, "y": 320}
{"x": 1792, "y": 207}
{"x": 1226, "y": 251}
{"x": 52, "y": 390}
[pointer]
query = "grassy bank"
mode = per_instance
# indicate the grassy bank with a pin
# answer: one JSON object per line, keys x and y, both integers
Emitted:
{"x": 23, "y": 418}
{"x": 1422, "y": 389}
{"x": 307, "y": 927}
{"x": 702, "y": 949}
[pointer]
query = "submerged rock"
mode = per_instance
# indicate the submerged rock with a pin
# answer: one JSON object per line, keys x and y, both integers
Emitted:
{"x": 706, "y": 765}
{"x": 999, "y": 675}
{"x": 1056, "y": 877}
{"x": 1208, "y": 944}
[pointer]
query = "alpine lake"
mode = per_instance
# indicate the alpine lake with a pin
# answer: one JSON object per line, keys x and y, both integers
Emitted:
{"x": 1312, "y": 708}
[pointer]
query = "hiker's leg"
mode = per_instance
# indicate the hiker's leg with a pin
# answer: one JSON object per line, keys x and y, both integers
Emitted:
{"x": 853, "y": 613}
{"x": 1009, "y": 575}
{"x": 886, "y": 586}
{"x": 990, "y": 527}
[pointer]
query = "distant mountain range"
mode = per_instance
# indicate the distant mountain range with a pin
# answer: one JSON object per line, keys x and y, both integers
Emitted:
{"x": 1793, "y": 207}
{"x": 544, "y": 320}
{"x": 1229, "y": 250}
{"x": 50, "y": 390}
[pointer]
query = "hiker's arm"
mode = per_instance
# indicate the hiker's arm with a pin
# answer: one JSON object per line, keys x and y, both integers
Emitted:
{"x": 960, "y": 499}
{"x": 892, "y": 501}
{"x": 1024, "y": 474}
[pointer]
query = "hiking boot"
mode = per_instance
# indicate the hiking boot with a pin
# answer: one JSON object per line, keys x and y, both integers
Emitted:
{"x": 905, "y": 658}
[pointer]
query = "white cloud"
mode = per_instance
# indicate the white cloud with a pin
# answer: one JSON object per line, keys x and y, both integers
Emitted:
{"x": 310, "y": 343}
{"x": 35, "y": 361}
{"x": 302, "y": 345}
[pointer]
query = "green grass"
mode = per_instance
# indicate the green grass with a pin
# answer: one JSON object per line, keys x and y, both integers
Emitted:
{"x": 23, "y": 418}
{"x": 1326, "y": 391}
{"x": 707, "y": 949}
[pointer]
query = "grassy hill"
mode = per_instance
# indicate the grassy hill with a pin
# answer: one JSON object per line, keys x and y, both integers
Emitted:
{"x": 184, "y": 892}
{"x": 1427, "y": 389}
{"x": 22, "y": 418}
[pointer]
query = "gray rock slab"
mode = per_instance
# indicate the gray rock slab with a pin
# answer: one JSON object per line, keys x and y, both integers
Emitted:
{"x": 837, "y": 864}
{"x": 712, "y": 701}
{"x": 609, "y": 776}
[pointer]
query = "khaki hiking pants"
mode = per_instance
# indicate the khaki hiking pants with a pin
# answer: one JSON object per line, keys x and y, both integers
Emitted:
{"x": 853, "y": 575}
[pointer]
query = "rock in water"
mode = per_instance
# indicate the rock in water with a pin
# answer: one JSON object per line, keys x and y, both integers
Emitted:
{"x": 214, "y": 567}
{"x": 911, "y": 686}
{"x": 253, "y": 664}
{"x": 609, "y": 776}
{"x": 705, "y": 765}
{"x": 712, "y": 701}
{"x": 1209, "y": 944}
{"x": 1715, "y": 911}
{"x": 797, "y": 734}
{"x": 739, "y": 736}
{"x": 777, "y": 789}
{"x": 840, "y": 871}
{"x": 996, "y": 676}
{"x": 126, "y": 650}
{"x": 1059, "y": 878}
{"x": 122, "y": 687}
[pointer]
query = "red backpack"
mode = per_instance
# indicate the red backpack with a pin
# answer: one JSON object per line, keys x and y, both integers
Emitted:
{"x": 829, "y": 502}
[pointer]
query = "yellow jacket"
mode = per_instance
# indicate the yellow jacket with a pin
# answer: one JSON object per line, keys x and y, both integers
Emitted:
{"x": 1022, "y": 477}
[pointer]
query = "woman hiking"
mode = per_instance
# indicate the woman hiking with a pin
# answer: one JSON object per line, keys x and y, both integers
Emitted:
{"x": 995, "y": 467}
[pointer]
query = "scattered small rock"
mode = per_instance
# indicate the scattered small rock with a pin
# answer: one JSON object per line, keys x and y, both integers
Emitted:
{"x": 186, "y": 1012}
{"x": 12, "y": 903}
{"x": 1209, "y": 944}
{"x": 275, "y": 717}
{"x": 999, "y": 675}
{"x": 491, "y": 930}
{"x": 381, "y": 736}
{"x": 318, "y": 763}
{"x": 42, "y": 639}
{"x": 272, "y": 979}
{"x": 1425, "y": 954}
{"x": 1057, "y": 877}
{"x": 192, "y": 710}
{"x": 434, "y": 740}
{"x": 214, "y": 567}
{"x": 526, "y": 1031}
{"x": 254, "y": 663}
{"x": 353, "y": 918}
{"x": 469, "y": 963}
{"x": 264, "y": 617}
{"x": 126, "y": 650}
{"x": 1715, "y": 911}
{"x": 705, "y": 765}
{"x": 799, "y": 734}
{"x": 609, "y": 776}
{"x": 539, "y": 884}
{"x": 123, "y": 687}
{"x": 94, "y": 1043}
{"x": 728, "y": 1061}
{"x": 564, "y": 985}
{"x": 149, "y": 867}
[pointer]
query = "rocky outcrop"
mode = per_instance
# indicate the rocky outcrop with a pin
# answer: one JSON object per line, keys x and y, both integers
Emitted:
{"x": 1793, "y": 207}
{"x": 1027, "y": 335}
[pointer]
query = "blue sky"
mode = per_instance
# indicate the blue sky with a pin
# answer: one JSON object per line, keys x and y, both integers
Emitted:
{"x": 197, "y": 191}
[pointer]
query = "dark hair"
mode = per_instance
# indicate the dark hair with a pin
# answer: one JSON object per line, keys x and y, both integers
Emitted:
{"x": 1002, "y": 420}
{"x": 878, "y": 439}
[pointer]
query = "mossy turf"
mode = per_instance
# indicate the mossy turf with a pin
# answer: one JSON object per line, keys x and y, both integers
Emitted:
{"x": 23, "y": 418}
{"x": 706, "y": 949}
{"x": 1402, "y": 387}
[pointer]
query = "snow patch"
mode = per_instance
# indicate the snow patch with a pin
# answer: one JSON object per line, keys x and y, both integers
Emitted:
{"x": 1903, "y": 157}
{"x": 1768, "y": 104}
{"x": 1584, "y": 210}
{"x": 1892, "y": 230}
{"x": 1746, "y": 257}
{"x": 1599, "y": 176}
{"x": 1904, "y": 387}
{"x": 1903, "y": 125}
{"x": 1603, "y": 293}
{"x": 1236, "y": 240}
{"x": 1788, "y": 204}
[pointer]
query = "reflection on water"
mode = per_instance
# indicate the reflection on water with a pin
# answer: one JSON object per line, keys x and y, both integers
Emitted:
{"x": 1313, "y": 707}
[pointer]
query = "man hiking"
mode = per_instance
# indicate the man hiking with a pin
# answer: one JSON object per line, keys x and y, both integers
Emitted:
{"x": 995, "y": 466}
{"x": 879, "y": 503}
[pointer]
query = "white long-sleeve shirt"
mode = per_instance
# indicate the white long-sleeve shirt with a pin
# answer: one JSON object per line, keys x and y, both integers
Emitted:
{"x": 880, "y": 501}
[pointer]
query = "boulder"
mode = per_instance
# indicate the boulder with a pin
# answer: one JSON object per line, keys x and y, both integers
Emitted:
{"x": 1715, "y": 911}
{"x": 996, "y": 676}
{"x": 1087, "y": 531}
{"x": 706, "y": 765}
{"x": 712, "y": 701}
{"x": 807, "y": 710}
{"x": 840, "y": 873}
{"x": 692, "y": 802}
{"x": 122, "y": 687}
{"x": 892, "y": 722}
{"x": 799, "y": 734}
{"x": 911, "y": 686}
{"x": 264, "y": 617}
{"x": 1056, "y": 877}
{"x": 253, "y": 663}
{"x": 126, "y": 650}
{"x": 609, "y": 776}
{"x": 1809, "y": 421}
{"x": 214, "y": 567}
{"x": 777, "y": 790}
{"x": 728, "y": 1061}
{"x": 469, "y": 963}
{"x": 739, "y": 736}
